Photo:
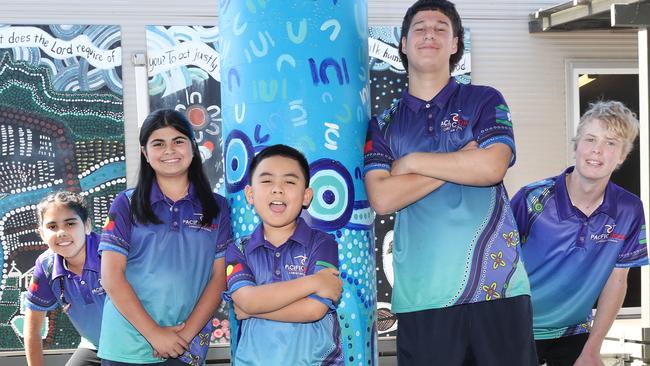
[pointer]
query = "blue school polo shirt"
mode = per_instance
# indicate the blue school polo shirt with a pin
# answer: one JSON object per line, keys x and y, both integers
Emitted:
{"x": 570, "y": 256}
{"x": 168, "y": 265}
{"x": 84, "y": 293}
{"x": 254, "y": 261}
{"x": 459, "y": 244}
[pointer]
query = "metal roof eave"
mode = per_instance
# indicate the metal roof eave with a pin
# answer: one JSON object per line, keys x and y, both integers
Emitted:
{"x": 576, "y": 15}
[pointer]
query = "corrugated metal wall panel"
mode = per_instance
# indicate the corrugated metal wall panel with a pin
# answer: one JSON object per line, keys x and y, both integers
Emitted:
{"x": 529, "y": 69}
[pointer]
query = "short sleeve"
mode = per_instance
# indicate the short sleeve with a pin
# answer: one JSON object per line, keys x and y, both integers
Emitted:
{"x": 324, "y": 255}
{"x": 494, "y": 122}
{"x": 238, "y": 274}
{"x": 376, "y": 151}
{"x": 225, "y": 229}
{"x": 520, "y": 211}
{"x": 634, "y": 252}
{"x": 116, "y": 234}
{"x": 40, "y": 296}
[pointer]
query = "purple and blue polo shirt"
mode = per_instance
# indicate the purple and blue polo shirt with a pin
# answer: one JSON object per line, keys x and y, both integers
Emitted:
{"x": 84, "y": 293}
{"x": 570, "y": 256}
{"x": 168, "y": 265}
{"x": 254, "y": 261}
{"x": 459, "y": 244}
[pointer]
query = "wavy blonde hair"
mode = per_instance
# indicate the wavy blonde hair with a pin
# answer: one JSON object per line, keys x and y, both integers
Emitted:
{"x": 616, "y": 118}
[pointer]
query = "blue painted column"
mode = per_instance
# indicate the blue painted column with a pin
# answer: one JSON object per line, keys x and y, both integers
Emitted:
{"x": 296, "y": 72}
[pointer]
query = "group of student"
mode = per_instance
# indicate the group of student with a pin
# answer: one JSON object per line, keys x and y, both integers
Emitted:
{"x": 467, "y": 259}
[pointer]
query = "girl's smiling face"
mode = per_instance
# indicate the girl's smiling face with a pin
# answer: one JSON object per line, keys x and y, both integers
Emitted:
{"x": 169, "y": 152}
{"x": 64, "y": 232}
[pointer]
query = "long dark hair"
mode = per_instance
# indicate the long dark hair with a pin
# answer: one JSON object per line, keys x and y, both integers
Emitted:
{"x": 140, "y": 202}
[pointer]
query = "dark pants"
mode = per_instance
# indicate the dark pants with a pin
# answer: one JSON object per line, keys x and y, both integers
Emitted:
{"x": 561, "y": 351}
{"x": 168, "y": 362}
{"x": 84, "y": 357}
{"x": 490, "y": 333}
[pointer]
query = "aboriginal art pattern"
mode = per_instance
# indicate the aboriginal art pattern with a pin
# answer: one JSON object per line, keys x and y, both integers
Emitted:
{"x": 296, "y": 72}
{"x": 61, "y": 128}
{"x": 183, "y": 67}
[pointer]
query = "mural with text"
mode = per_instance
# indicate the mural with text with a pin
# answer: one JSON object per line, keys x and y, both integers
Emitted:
{"x": 388, "y": 80}
{"x": 183, "y": 67}
{"x": 61, "y": 127}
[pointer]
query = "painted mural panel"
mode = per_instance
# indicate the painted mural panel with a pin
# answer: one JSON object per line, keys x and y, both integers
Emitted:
{"x": 388, "y": 80}
{"x": 61, "y": 127}
{"x": 183, "y": 68}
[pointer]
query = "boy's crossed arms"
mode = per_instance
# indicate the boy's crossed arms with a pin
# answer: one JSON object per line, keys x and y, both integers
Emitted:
{"x": 301, "y": 300}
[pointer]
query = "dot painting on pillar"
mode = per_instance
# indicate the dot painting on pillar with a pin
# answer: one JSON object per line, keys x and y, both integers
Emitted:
{"x": 296, "y": 72}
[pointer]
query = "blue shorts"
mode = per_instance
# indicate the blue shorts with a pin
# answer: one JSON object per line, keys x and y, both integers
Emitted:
{"x": 490, "y": 333}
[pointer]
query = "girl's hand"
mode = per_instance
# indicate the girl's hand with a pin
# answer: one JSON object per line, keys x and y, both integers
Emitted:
{"x": 167, "y": 343}
{"x": 329, "y": 285}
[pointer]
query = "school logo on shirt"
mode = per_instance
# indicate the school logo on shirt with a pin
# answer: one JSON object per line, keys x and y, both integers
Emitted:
{"x": 195, "y": 223}
{"x": 608, "y": 235}
{"x": 98, "y": 290}
{"x": 454, "y": 123}
{"x": 297, "y": 269}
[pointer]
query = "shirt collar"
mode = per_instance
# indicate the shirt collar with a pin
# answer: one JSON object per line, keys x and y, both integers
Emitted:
{"x": 301, "y": 235}
{"x": 156, "y": 194}
{"x": 91, "y": 263}
{"x": 565, "y": 208}
{"x": 440, "y": 100}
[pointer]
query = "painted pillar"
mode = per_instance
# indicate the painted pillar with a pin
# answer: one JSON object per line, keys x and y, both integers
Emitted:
{"x": 296, "y": 72}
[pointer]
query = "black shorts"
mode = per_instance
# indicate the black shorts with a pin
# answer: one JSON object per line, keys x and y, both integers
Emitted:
{"x": 84, "y": 357}
{"x": 490, "y": 333}
{"x": 562, "y": 351}
{"x": 168, "y": 362}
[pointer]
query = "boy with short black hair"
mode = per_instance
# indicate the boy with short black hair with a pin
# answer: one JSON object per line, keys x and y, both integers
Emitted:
{"x": 283, "y": 279}
{"x": 438, "y": 157}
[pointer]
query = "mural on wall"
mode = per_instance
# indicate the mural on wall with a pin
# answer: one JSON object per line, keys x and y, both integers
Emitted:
{"x": 388, "y": 80}
{"x": 61, "y": 127}
{"x": 183, "y": 68}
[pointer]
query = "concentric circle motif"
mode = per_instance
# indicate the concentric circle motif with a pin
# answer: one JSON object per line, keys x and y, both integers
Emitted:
{"x": 333, "y": 201}
{"x": 238, "y": 154}
{"x": 198, "y": 116}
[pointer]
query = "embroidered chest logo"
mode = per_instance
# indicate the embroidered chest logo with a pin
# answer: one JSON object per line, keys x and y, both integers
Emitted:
{"x": 455, "y": 122}
{"x": 608, "y": 235}
{"x": 99, "y": 291}
{"x": 298, "y": 266}
{"x": 195, "y": 223}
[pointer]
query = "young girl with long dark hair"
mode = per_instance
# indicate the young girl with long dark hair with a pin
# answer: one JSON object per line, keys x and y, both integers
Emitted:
{"x": 162, "y": 253}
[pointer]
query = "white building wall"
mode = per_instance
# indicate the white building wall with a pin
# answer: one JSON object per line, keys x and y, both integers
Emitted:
{"x": 529, "y": 69}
